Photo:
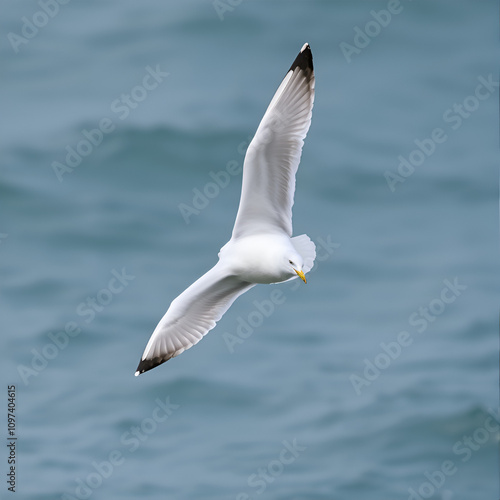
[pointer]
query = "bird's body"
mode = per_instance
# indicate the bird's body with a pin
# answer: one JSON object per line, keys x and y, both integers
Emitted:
{"x": 257, "y": 258}
{"x": 261, "y": 249}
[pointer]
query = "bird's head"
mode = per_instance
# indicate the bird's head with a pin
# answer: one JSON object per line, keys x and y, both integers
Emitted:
{"x": 295, "y": 264}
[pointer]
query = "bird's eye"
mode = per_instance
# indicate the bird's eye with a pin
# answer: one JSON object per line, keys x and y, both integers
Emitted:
{"x": 290, "y": 262}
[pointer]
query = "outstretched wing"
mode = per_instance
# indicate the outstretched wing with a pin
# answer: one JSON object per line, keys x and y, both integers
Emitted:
{"x": 273, "y": 156}
{"x": 192, "y": 315}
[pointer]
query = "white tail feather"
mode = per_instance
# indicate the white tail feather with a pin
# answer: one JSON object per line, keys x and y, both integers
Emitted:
{"x": 306, "y": 247}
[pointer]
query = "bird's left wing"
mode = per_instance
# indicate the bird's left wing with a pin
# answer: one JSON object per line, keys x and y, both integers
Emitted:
{"x": 192, "y": 315}
{"x": 273, "y": 156}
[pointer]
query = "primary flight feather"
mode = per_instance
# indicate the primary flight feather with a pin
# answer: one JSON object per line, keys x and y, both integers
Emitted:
{"x": 261, "y": 248}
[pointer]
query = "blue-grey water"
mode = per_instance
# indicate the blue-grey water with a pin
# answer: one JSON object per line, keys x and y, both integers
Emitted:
{"x": 378, "y": 380}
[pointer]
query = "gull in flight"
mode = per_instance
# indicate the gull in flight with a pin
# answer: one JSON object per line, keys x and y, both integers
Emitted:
{"x": 261, "y": 248}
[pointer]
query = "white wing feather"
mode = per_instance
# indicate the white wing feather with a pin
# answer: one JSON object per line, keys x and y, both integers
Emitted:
{"x": 192, "y": 315}
{"x": 273, "y": 156}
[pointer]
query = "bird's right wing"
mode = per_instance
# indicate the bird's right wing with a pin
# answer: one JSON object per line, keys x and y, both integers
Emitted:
{"x": 273, "y": 156}
{"x": 192, "y": 315}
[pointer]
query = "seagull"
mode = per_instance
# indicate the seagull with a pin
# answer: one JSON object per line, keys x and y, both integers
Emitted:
{"x": 261, "y": 248}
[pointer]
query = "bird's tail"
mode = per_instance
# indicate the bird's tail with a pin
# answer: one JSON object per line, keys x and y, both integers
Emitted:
{"x": 306, "y": 247}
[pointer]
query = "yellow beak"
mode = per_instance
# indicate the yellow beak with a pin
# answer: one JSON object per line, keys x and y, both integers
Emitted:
{"x": 302, "y": 275}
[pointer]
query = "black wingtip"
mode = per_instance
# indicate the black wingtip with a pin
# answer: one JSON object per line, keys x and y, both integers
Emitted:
{"x": 148, "y": 364}
{"x": 304, "y": 60}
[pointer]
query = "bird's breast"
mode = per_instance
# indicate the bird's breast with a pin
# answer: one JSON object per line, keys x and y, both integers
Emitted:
{"x": 258, "y": 258}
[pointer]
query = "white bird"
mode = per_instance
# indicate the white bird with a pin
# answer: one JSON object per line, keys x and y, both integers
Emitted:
{"x": 261, "y": 248}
